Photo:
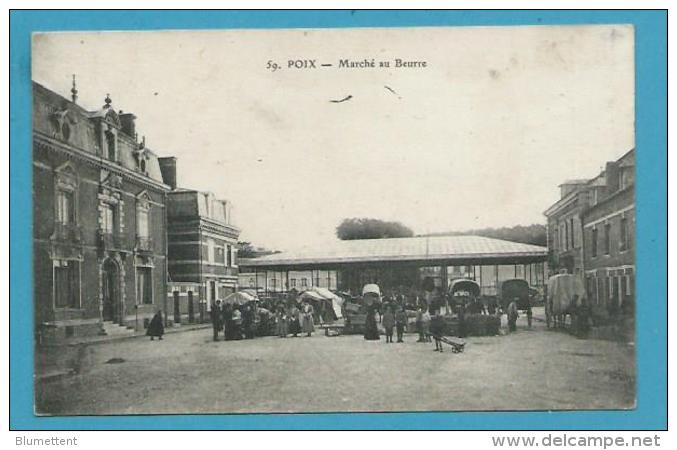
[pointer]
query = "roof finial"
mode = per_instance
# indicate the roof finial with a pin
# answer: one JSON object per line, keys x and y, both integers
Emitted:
{"x": 74, "y": 91}
{"x": 108, "y": 101}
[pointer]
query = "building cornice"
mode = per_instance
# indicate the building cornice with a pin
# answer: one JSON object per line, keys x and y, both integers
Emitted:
{"x": 41, "y": 139}
{"x": 561, "y": 203}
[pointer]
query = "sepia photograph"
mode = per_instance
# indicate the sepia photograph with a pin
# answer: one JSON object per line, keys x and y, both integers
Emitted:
{"x": 408, "y": 219}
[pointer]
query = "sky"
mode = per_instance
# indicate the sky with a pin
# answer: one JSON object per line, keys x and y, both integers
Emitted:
{"x": 480, "y": 137}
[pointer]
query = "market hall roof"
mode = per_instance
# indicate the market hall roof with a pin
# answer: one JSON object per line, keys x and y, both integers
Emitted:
{"x": 414, "y": 249}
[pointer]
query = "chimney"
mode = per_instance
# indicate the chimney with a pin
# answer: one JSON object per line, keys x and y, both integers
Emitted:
{"x": 168, "y": 169}
{"x": 612, "y": 174}
{"x": 128, "y": 123}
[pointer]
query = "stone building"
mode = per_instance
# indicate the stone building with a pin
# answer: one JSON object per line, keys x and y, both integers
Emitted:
{"x": 591, "y": 231}
{"x": 202, "y": 250}
{"x": 565, "y": 240}
{"x": 609, "y": 230}
{"x": 99, "y": 220}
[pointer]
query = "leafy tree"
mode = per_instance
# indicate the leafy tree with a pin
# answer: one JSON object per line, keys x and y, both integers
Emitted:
{"x": 367, "y": 228}
{"x": 527, "y": 234}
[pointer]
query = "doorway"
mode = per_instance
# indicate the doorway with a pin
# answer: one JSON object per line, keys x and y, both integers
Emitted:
{"x": 110, "y": 292}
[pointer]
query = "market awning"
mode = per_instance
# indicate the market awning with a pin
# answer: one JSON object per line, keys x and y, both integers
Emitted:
{"x": 238, "y": 298}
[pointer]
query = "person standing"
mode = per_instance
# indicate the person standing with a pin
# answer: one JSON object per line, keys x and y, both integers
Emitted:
{"x": 248, "y": 322}
{"x": 512, "y": 316}
{"x": 438, "y": 329}
{"x": 419, "y": 324}
{"x": 530, "y": 314}
{"x": 389, "y": 323}
{"x": 308, "y": 319}
{"x": 401, "y": 323}
{"x": 215, "y": 316}
{"x": 461, "y": 319}
{"x": 294, "y": 321}
{"x": 281, "y": 319}
{"x": 425, "y": 324}
{"x": 227, "y": 319}
{"x": 371, "y": 328}
{"x": 237, "y": 324}
{"x": 156, "y": 326}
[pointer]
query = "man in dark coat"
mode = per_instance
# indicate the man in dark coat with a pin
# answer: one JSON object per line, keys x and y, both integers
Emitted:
{"x": 248, "y": 322}
{"x": 227, "y": 319}
{"x": 156, "y": 326}
{"x": 215, "y": 315}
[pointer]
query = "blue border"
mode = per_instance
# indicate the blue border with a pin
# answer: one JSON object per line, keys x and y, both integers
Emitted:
{"x": 651, "y": 140}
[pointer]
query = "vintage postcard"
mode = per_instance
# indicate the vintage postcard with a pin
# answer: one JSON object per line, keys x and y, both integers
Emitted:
{"x": 334, "y": 220}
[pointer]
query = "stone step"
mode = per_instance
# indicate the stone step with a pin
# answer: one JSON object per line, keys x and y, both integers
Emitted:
{"x": 114, "y": 329}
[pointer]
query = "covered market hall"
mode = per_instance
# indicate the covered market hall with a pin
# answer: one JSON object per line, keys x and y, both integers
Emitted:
{"x": 397, "y": 265}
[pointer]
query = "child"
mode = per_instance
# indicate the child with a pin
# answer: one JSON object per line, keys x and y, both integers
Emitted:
{"x": 437, "y": 329}
{"x": 389, "y": 323}
{"x": 401, "y": 321}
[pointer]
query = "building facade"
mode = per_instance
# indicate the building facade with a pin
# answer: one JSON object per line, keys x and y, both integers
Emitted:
{"x": 564, "y": 236}
{"x": 99, "y": 217}
{"x": 202, "y": 250}
{"x": 591, "y": 232}
{"x": 609, "y": 230}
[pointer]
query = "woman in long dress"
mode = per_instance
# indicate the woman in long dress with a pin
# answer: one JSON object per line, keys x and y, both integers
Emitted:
{"x": 156, "y": 327}
{"x": 371, "y": 328}
{"x": 308, "y": 319}
{"x": 294, "y": 321}
{"x": 281, "y": 318}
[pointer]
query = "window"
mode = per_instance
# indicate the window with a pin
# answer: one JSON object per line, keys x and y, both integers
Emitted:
{"x": 624, "y": 234}
{"x": 594, "y": 242}
{"x": 66, "y": 284}
{"x": 293, "y": 282}
{"x": 142, "y": 228}
{"x": 219, "y": 256}
{"x": 65, "y": 207}
{"x": 108, "y": 218}
{"x": 566, "y": 235}
{"x": 210, "y": 250}
{"x": 607, "y": 239}
{"x": 628, "y": 285}
{"x": 571, "y": 229}
{"x": 251, "y": 282}
{"x": 229, "y": 255}
{"x": 144, "y": 285}
{"x": 304, "y": 282}
{"x": 111, "y": 146}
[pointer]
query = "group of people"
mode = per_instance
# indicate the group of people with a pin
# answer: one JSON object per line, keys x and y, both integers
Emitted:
{"x": 236, "y": 321}
{"x": 294, "y": 320}
{"x": 394, "y": 318}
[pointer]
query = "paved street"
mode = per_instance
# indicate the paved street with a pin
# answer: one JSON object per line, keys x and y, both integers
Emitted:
{"x": 189, "y": 373}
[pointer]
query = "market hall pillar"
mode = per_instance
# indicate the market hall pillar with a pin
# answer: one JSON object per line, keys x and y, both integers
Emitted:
{"x": 445, "y": 279}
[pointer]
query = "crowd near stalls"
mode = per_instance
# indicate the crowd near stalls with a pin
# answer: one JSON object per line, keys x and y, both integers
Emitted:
{"x": 460, "y": 311}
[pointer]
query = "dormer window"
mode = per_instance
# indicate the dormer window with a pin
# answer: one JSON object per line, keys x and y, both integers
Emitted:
{"x": 111, "y": 146}
{"x": 65, "y": 131}
{"x": 60, "y": 122}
